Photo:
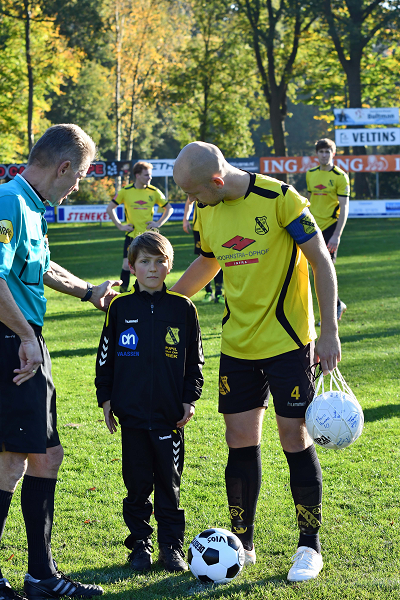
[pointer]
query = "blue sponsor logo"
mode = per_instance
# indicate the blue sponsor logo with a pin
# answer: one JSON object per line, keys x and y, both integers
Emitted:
{"x": 128, "y": 339}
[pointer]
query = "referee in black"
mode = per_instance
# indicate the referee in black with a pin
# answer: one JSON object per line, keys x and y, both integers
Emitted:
{"x": 29, "y": 444}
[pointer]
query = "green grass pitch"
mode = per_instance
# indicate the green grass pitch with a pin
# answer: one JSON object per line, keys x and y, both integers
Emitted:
{"x": 361, "y": 509}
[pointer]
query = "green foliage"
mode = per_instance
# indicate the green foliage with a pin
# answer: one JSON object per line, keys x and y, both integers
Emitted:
{"x": 86, "y": 101}
{"x": 212, "y": 87}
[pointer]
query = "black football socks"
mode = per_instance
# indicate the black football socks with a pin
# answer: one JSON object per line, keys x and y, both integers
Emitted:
{"x": 306, "y": 486}
{"x": 243, "y": 482}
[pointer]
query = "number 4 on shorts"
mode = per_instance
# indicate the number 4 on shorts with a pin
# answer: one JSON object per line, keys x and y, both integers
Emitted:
{"x": 295, "y": 392}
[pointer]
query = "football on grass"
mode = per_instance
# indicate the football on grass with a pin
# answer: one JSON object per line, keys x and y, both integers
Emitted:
{"x": 334, "y": 419}
{"x": 216, "y": 556}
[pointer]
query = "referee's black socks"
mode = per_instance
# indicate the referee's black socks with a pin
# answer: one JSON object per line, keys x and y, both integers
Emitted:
{"x": 243, "y": 482}
{"x": 37, "y": 504}
{"x": 306, "y": 486}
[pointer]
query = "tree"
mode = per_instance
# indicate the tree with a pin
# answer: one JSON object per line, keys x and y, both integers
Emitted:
{"x": 276, "y": 29}
{"x": 212, "y": 88}
{"x": 365, "y": 36}
{"x": 47, "y": 61}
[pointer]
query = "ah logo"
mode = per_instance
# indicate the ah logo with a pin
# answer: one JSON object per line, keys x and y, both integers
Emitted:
{"x": 128, "y": 339}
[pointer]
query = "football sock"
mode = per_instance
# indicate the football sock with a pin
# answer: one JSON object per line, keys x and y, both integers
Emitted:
{"x": 243, "y": 482}
{"x": 208, "y": 288}
{"x": 5, "y": 501}
{"x": 306, "y": 486}
{"x": 37, "y": 503}
{"x": 125, "y": 275}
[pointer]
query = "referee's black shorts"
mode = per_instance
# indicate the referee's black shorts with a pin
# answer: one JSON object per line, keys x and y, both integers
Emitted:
{"x": 246, "y": 384}
{"x": 28, "y": 418}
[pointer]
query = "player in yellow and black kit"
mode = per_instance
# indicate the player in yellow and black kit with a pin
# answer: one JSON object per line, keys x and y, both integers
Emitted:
{"x": 329, "y": 190}
{"x": 139, "y": 199}
{"x": 261, "y": 233}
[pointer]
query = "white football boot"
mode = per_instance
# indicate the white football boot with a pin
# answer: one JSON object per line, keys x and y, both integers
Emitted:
{"x": 307, "y": 563}
{"x": 249, "y": 557}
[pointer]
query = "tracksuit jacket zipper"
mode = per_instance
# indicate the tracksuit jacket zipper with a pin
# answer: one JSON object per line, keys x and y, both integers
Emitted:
{"x": 152, "y": 365}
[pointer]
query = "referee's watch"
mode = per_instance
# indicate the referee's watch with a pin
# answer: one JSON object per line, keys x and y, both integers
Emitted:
{"x": 88, "y": 294}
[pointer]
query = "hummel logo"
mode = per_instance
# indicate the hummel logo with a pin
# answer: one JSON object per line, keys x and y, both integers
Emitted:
{"x": 165, "y": 437}
{"x": 104, "y": 353}
{"x": 131, "y": 320}
{"x": 238, "y": 243}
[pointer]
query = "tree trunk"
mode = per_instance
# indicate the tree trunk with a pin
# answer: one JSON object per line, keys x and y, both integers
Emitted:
{"x": 362, "y": 186}
{"x": 30, "y": 72}
{"x": 118, "y": 45}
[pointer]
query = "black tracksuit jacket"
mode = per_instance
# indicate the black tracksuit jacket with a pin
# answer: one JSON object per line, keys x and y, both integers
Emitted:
{"x": 150, "y": 358}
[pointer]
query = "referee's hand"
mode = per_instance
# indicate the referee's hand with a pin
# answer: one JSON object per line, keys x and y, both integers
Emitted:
{"x": 30, "y": 358}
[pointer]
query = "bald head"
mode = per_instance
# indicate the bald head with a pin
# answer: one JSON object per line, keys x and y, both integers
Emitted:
{"x": 202, "y": 172}
{"x": 199, "y": 162}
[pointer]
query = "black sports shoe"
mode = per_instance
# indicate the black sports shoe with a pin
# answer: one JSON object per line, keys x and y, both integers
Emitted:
{"x": 171, "y": 557}
{"x": 140, "y": 558}
{"x": 57, "y": 586}
{"x": 6, "y": 591}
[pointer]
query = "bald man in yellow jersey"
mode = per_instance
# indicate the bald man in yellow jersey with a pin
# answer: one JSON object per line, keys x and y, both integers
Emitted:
{"x": 329, "y": 189}
{"x": 261, "y": 233}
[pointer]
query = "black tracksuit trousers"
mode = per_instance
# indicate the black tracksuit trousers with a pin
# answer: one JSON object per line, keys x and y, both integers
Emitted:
{"x": 153, "y": 459}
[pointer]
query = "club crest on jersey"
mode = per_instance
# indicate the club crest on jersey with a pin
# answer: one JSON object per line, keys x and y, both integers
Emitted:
{"x": 172, "y": 336}
{"x": 128, "y": 339}
{"x": 308, "y": 224}
{"x": 261, "y": 225}
{"x": 6, "y": 231}
{"x": 223, "y": 385}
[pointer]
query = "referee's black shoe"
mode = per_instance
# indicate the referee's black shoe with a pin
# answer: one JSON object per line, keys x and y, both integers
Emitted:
{"x": 58, "y": 586}
{"x": 6, "y": 591}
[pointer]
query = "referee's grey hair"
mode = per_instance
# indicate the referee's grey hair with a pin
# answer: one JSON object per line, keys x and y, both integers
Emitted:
{"x": 63, "y": 142}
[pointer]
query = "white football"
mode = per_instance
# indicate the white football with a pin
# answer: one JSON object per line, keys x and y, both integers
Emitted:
{"x": 216, "y": 556}
{"x": 334, "y": 419}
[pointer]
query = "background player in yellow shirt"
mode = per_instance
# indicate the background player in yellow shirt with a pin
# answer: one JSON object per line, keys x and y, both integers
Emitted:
{"x": 218, "y": 279}
{"x": 139, "y": 199}
{"x": 329, "y": 190}
{"x": 260, "y": 232}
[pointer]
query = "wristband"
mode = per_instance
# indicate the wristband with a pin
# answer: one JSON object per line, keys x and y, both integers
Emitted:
{"x": 88, "y": 294}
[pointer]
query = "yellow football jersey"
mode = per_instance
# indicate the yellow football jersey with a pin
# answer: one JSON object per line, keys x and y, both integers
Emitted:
{"x": 139, "y": 205}
{"x": 325, "y": 187}
{"x": 268, "y": 296}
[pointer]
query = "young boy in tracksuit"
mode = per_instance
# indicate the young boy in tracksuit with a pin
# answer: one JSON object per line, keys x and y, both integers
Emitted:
{"x": 149, "y": 375}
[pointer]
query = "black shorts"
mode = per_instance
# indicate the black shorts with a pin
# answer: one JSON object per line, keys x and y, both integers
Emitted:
{"x": 28, "y": 418}
{"x": 127, "y": 242}
{"x": 246, "y": 384}
{"x": 328, "y": 233}
{"x": 197, "y": 244}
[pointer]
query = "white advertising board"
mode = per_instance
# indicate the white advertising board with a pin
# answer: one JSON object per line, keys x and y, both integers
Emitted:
{"x": 366, "y": 116}
{"x": 368, "y": 137}
{"x": 361, "y": 209}
{"x": 86, "y": 213}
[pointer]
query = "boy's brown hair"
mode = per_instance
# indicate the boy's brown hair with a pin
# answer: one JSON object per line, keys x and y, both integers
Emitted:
{"x": 325, "y": 143}
{"x": 152, "y": 243}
